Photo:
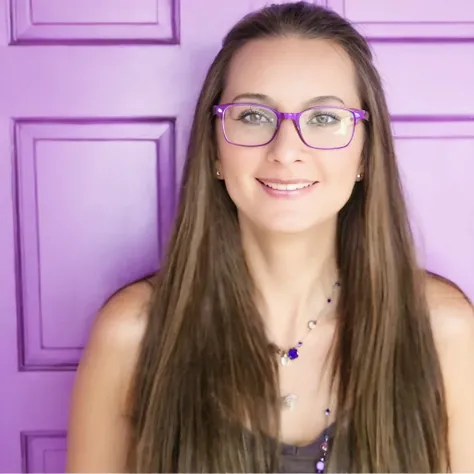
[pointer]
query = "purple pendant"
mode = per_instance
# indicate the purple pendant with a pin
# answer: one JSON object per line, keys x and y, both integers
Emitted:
{"x": 320, "y": 466}
{"x": 293, "y": 353}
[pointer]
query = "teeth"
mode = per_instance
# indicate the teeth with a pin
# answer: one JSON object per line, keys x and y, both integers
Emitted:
{"x": 286, "y": 187}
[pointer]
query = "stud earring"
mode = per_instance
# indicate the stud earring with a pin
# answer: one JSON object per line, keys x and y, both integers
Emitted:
{"x": 359, "y": 177}
{"x": 218, "y": 173}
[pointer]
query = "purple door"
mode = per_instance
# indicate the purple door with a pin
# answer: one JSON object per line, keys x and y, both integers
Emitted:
{"x": 96, "y": 100}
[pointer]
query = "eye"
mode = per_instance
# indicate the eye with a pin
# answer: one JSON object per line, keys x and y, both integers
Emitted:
{"x": 324, "y": 118}
{"x": 254, "y": 117}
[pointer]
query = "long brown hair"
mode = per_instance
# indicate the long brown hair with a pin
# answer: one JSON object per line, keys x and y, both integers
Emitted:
{"x": 205, "y": 379}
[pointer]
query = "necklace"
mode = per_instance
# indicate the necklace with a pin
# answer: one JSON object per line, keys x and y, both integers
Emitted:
{"x": 321, "y": 462}
{"x": 289, "y": 401}
{"x": 292, "y": 353}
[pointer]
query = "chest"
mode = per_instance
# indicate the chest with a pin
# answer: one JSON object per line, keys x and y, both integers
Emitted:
{"x": 305, "y": 385}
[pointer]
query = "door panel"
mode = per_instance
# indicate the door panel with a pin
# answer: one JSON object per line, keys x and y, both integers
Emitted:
{"x": 403, "y": 20}
{"x": 96, "y": 102}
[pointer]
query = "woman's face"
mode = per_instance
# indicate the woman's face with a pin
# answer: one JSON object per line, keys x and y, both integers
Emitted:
{"x": 289, "y": 75}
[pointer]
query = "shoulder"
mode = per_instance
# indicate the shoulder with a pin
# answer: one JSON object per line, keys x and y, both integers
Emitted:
{"x": 452, "y": 316}
{"x": 123, "y": 318}
{"x": 451, "y": 312}
{"x": 116, "y": 334}
{"x": 98, "y": 428}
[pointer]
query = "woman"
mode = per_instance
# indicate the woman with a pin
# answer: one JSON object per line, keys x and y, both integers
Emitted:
{"x": 290, "y": 327}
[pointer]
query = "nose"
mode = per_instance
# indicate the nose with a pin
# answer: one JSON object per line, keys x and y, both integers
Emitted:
{"x": 287, "y": 146}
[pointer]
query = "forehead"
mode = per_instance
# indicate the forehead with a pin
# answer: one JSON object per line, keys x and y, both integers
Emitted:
{"x": 291, "y": 71}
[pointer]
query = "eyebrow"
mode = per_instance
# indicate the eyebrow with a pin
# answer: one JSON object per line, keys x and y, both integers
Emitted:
{"x": 265, "y": 98}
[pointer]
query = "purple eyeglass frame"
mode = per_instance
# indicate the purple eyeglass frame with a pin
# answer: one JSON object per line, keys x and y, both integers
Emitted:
{"x": 358, "y": 114}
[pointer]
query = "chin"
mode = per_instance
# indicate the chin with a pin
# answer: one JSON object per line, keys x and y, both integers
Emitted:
{"x": 289, "y": 226}
{"x": 286, "y": 222}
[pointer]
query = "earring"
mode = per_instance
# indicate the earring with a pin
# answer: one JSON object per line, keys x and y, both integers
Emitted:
{"x": 359, "y": 177}
{"x": 218, "y": 173}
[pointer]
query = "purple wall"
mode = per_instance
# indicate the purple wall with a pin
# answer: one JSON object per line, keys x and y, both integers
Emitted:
{"x": 96, "y": 100}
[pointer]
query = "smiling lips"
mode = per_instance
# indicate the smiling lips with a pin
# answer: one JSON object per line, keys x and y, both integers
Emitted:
{"x": 286, "y": 187}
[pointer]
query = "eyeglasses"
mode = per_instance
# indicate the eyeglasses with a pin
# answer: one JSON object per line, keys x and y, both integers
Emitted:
{"x": 321, "y": 127}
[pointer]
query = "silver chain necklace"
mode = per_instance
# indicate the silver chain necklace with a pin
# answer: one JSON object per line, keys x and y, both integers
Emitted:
{"x": 289, "y": 401}
{"x": 293, "y": 352}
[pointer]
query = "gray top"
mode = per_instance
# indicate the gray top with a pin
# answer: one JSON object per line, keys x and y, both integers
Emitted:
{"x": 304, "y": 458}
{"x": 299, "y": 459}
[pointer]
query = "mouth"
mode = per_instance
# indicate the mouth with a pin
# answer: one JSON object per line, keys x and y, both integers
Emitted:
{"x": 287, "y": 186}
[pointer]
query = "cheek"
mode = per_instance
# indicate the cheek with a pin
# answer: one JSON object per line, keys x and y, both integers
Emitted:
{"x": 239, "y": 167}
{"x": 346, "y": 162}
{"x": 238, "y": 163}
{"x": 341, "y": 166}
{"x": 339, "y": 175}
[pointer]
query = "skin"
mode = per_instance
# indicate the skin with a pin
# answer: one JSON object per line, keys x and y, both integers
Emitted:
{"x": 290, "y": 243}
{"x": 290, "y": 80}
{"x": 290, "y": 247}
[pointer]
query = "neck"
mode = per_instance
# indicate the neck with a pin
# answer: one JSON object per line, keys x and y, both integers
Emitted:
{"x": 294, "y": 274}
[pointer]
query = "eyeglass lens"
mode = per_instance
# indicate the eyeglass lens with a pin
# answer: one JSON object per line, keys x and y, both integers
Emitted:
{"x": 322, "y": 127}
